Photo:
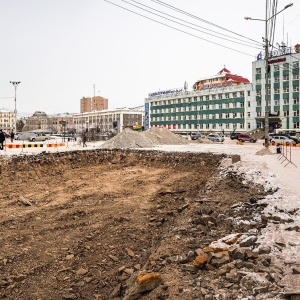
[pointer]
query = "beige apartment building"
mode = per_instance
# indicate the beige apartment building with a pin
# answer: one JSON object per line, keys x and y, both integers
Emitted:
{"x": 7, "y": 120}
{"x": 93, "y": 103}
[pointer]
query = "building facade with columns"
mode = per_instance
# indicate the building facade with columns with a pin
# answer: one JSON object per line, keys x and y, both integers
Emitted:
{"x": 110, "y": 120}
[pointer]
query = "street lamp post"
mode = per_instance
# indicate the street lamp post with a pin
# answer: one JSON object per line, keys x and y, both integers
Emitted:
{"x": 87, "y": 130}
{"x": 266, "y": 20}
{"x": 15, "y": 84}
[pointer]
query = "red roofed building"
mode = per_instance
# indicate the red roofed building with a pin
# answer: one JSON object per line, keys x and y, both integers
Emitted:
{"x": 223, "y": 78}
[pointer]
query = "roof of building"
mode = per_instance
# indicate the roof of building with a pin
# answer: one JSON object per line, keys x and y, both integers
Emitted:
{"x": 228, "y": 77}
{"x": 114, "y": 110}
{"x": 5, "y": 110}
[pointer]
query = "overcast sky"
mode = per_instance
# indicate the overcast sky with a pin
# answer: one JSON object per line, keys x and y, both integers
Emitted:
{"x": 60, "y": 49}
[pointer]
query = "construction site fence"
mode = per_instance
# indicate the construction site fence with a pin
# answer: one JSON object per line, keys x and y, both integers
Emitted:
{"x": 285, "y": 151}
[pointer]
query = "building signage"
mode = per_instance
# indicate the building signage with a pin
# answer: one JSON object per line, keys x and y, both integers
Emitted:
{"x": 277, "y": 52}
{"x": 146, "y": 117}
{"x": 166, "y": 92}
{"x": 214, "y": 85}
{"x": 281, "y": 51}
{"x": 278, "y": 60}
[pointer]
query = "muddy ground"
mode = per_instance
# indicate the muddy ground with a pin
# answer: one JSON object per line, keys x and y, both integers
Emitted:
{"x": 83, "y": 225}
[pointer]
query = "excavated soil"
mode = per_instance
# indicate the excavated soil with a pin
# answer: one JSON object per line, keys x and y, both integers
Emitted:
{"x": 83, "y": 225}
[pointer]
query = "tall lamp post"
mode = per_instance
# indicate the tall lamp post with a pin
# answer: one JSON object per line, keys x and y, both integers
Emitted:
{"x": 15, "y": 84}
{"x": 266, "y": 20}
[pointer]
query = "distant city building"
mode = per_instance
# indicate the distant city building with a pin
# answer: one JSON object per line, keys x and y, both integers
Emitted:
{"x": 93, "y": 103}
{"x": 217, "y": 103}
{"x": 7, "y": 120}
{"x": 63, "y": 122}
{"x": 112, "y": 120}
{"x": 40, "y": 121}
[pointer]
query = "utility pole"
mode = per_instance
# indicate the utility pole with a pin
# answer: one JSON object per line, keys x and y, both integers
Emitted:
{"x": 266, "y": 46}
{"x": 267, "y": 79}
{"x": 15, "y": 84}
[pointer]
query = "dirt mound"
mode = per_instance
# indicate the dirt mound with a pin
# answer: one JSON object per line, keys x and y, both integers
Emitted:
{"x": 128, "y": 139}
{"x": 264, "y": 151}
{"x": 147, "y": 139}
{"x": 204, "y": 141}
{"x": 163, "y": 136}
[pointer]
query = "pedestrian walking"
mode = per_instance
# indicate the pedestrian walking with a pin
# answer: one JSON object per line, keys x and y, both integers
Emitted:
{"x": 2, "y": 139}
{"x": 12, "y": 135}
{"x": 84, "y": 141}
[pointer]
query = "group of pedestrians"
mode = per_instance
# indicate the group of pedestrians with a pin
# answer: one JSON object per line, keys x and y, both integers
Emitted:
{"x": 2, "y": 138}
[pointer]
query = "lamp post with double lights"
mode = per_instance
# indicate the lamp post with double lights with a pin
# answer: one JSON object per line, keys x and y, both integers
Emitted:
{"x": 15, "y": 84}
{"x": 266, "y": 20}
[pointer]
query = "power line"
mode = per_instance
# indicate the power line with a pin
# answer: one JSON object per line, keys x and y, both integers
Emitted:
{"x": 200, "y": 19}
{"x": 179, "y": 29}
{"x": 235, "y": 41}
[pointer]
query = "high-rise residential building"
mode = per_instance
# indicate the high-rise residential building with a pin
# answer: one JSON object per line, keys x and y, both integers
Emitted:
{"x": 93, "y": 103}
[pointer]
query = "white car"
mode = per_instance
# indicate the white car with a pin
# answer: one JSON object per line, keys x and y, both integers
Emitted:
{"x": 215, "y": 137}
{"x": 282, "y": 140}
{"x": 39, "y": 137}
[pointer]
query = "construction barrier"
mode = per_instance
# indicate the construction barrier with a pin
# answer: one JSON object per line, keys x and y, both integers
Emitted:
{"x": 285, "y": 153}
{"x": 24, "y": 145}
{"x": 56, "y": 145}
{"x": 34, "y": 145}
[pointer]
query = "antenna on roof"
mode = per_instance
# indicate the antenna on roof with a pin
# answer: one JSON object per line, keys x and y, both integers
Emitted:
{"x": 283, "y": 29}
{"x": 185, "y": 86}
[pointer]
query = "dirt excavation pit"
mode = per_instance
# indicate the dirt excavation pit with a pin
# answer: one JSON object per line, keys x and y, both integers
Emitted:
{"x": 113, "y": 224}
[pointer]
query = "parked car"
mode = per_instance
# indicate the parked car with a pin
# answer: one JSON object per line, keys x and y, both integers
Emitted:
{"x": 39, "y": 137}
{"x": 234, "y": 135}
{"x": 197, "y": 135}
{"x": 282, "y": 140}
{"x": 24, "y": 136}
{"x": 16, "y": 137}
{"x": 185, "y": 135}
{"x": 246, "y": 138}
{"x": 274, "y": 135}
{"x": 215, "y": 137}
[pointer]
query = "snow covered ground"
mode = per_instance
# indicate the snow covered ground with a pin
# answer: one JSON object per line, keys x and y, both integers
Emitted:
{"x": 273, "y": 173}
